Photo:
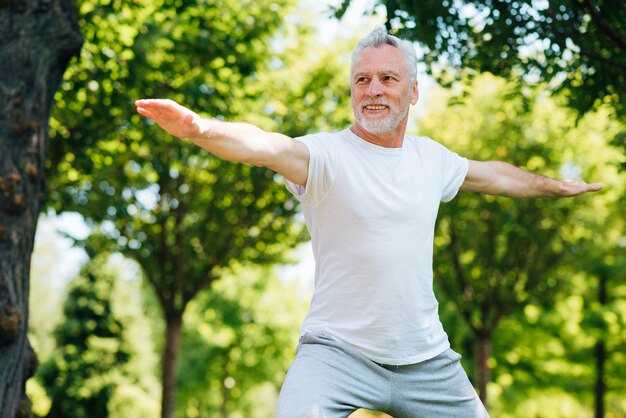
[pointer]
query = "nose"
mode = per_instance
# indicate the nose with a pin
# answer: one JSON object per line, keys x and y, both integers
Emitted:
{"x": 375, "y": 88}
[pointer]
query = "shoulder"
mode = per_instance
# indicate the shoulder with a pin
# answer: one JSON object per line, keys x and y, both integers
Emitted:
{"x": 319, "y": 136}
{"x": 322, "y": 141}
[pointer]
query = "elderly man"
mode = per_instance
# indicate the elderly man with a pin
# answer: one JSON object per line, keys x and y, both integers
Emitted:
{"x": 370, "y": 195}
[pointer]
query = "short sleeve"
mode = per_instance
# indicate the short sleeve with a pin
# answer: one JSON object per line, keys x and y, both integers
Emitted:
{"x": 321, "y": 169}
{"x": 454, "y": 172}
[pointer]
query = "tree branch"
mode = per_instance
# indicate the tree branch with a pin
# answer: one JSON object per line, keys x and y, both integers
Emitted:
{"x": 598, "y": 57}
{"x": 459, "y": 275}
{"x": 576, "y": 37}
{"x": 206, "y": 278}
{"x": 604, "y": 25}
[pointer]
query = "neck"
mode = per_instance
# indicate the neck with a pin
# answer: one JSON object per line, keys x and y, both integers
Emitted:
{"x": 391, "y": 139}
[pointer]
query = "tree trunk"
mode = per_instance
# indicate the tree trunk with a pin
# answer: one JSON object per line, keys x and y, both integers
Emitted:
{"x": 225, "y": 389}
{"x": 173, "y": 327}
{"x": 483, "y": 372}
{"x": 600, "y": 354}
{"x": 38, "y": 38}
{"x": 600, "y": 386}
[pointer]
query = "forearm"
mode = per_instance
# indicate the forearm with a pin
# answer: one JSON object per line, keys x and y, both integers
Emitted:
{"x": 517, "y": 183}
{"x": 237, "y": 141}
{"x": 232, "y": 141}
{"x": 503, "y": 179}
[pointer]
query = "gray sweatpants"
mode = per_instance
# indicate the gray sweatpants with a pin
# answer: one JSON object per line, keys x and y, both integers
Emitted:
{"x": 329, "y": 379}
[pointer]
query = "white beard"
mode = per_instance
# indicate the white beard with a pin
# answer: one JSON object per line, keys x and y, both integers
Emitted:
{"x": 381, "y": 126}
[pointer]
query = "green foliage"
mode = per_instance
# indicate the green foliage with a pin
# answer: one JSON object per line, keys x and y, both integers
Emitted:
{"x": 99, "y": 351}
{"x": 183, "y": 215}
{"x": 239, "y": 340}
{"x": 313, "y": 81}
{"x": 47, "y": 284}
{"x": 548, "y": 351}
{"x": 521, "y": 241}
{"x": 579, "y": 47}
{"x": 499, "y": 259}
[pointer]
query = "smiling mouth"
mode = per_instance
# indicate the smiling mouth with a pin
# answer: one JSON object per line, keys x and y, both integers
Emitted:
{"x": 375, "y": 107}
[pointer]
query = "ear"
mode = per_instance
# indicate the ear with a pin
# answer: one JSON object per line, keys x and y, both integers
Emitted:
{"x": 415, "y": 94}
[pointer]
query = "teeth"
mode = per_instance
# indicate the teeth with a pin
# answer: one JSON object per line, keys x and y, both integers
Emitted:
{"x": 376, "y": 107}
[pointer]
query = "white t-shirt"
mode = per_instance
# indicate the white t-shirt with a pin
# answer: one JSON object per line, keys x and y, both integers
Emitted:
{"x": 371, "y": 214}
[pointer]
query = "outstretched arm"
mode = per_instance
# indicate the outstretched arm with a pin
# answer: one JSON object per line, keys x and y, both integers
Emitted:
{"x": 232, "y": 141}
{"x": 503, "y": 179}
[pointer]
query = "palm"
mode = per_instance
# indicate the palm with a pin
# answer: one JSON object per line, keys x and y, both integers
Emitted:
{"x": 172, "y": 117}
{"x": 576, "y": 187}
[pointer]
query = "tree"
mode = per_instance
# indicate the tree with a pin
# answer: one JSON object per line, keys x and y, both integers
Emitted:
{"x": 240, "y": 337}
{"x": 48, "y": 280}
{"x": 547, "y": 355}
{"x": 495, "y": 255}
{"x": 99, "y": 350}
{"x": 578, "y": 46}
{"x": 605, "y": 313}
{"x": 38, "y": 40}
{"x": 182, "y": 214}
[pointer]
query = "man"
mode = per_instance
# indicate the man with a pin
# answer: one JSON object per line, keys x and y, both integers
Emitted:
{"x": 370, "y": 196}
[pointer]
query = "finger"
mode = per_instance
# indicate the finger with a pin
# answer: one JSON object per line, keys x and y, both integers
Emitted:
{"x": 146, "y": 102}
{"x": 159, "y": 110}
{"x": 145, "y": 112}
{"x": 594, "y": 187}
{"x": 155, "y": 103}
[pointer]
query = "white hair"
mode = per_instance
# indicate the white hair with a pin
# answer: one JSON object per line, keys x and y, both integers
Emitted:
{"x": 379, "y": 37}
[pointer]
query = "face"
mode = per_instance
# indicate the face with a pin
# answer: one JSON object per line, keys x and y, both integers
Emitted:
{"x": 381, "y": 89}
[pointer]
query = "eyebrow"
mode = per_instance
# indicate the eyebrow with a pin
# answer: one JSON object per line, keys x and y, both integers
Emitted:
{"x": 384, "y": 72}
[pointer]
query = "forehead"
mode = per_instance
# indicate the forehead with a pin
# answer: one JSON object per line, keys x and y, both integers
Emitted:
{"x": 380, "y": 59}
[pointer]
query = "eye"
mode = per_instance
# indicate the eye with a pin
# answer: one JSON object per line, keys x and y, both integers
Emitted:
{"x": 361, "y": 80}
{"x": 388, "y": 78}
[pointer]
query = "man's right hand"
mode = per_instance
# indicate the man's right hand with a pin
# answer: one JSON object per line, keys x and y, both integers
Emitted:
{"x": 232, "y": 141}
{"x": 172, "y": 117}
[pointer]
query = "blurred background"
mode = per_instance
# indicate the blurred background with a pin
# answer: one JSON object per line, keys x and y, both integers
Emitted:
{"x": 166, "y": 282}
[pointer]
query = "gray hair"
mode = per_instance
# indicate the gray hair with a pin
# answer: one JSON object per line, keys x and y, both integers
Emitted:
{"x": 379, "y": 37}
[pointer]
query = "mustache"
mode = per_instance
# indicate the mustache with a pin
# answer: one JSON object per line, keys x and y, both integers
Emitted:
{"x": 374, "y": 103}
